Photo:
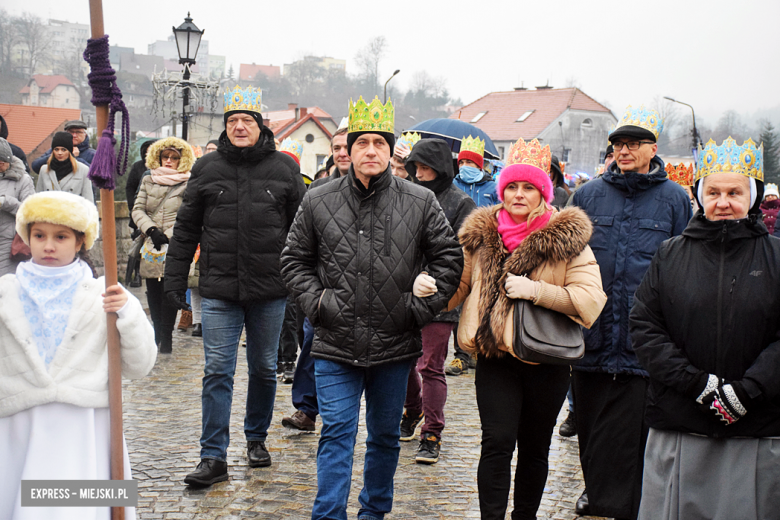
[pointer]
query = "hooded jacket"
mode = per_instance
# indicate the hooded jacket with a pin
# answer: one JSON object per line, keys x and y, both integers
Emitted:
{"x": 352, "y": 257}
{"x": 709, "y": 304}
{"x": 18, "y": 152}
{"x": 239, "y": 205}
{"x": 770, "y": 208}
{"x": 134, "y": 177}
{"x": 483, "y": 192}
{"x": 15, "y": 186}
{"x": 632, "y": 214}
{"x": 456, "y": 204}
{"x": 86, "y": 154}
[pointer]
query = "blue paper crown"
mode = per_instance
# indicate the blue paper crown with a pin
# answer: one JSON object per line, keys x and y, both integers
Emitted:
{"x": 729, "y": 157}
{"x": 247, "y": 99}
{"x": 642, "y": 117}
{"x": 292, "y": 146}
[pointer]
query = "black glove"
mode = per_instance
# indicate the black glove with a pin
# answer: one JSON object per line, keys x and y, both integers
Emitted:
{"x": 727, "y": 401}
{"x": 179, "y": 300}
{"x": 135, "y": 233}
{"x": 158, "y": 237}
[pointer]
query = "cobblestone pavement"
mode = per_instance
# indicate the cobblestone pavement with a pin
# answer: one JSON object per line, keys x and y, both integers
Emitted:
{"x": 162, "y": 426}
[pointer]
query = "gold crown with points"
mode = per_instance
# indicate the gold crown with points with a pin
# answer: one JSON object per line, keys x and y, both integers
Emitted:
{"x": 531, "y": 153}
{"x": 473, "y": 144}
{"x": 410, "y": 139}
{"x": 371, "y": 118}
{"x": 681, "y": 174}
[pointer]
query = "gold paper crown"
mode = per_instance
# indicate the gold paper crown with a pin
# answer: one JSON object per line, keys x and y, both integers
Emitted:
{"x": 410, "y": 139}
{"x": 473, "y": 144}
{"x": 530, "y": 153}
{"x": 744, "y": 160}
{"x": 247, "y": 99}
{"x": 371, "y": 118}
{"x": 681, "y": 174}
{"x": 642, "y": 117}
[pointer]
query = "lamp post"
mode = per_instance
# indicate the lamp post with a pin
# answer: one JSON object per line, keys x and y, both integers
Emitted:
{"x": 388, "y": 81}
{"x": 187, "y": 43}
{"x": 694, "y": 132}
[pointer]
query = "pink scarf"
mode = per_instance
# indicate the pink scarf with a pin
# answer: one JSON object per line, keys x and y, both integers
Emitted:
{"x": 168, "y": 176}
{"x": 513, "y": 234}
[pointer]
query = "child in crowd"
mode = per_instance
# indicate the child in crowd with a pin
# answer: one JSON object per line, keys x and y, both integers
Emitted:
{"x": 54, "y": 417}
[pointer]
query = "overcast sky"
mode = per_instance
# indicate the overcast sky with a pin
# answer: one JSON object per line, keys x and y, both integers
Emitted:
{"x": 715, "y": 55}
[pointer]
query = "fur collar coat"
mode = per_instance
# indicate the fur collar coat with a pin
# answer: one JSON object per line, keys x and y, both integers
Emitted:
{"x": 557, "y": 255}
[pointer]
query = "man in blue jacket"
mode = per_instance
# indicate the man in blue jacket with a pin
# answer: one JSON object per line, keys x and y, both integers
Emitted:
{"x": 634, "y": 208}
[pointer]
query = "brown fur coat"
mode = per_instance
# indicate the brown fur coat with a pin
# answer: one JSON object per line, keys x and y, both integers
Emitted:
{"x": 557, "y": 255}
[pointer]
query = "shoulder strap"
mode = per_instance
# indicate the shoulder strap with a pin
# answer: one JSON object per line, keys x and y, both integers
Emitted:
{"x": 162, "y": 202}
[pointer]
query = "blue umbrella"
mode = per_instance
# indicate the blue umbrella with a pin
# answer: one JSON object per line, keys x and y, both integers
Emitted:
{"x": 453, "y": 131}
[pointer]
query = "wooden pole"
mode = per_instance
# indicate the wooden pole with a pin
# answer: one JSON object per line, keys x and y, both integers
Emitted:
{"x": 109, "y": 262}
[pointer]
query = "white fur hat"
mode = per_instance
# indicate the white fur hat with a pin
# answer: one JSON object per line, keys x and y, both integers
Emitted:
{"x": 771, "y": 189}
{"x": 62, "y": 208}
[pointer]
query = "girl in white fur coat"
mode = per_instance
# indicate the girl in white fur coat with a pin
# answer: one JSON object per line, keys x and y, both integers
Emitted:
{"x": 54, "y": 419}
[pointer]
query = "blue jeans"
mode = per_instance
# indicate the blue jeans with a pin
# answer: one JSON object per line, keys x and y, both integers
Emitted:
{"x": 339, "y": 388}
{"x": 304, "y": 389}
{"x": 222, "y": 324}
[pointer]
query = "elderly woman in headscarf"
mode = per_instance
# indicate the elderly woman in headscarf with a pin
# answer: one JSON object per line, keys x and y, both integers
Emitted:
{"x": 161, "y": 193}
{"x": 705, "y": 324}
{"x": 15, "y": 186}
{"x": 521, "y": 249}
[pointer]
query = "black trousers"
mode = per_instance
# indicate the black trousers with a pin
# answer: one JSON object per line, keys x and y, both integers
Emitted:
{"x": 163, "y": 314}
{"x": 612, "y": 434}
{"x": 518, "y": 406}
{"x": 292, "y": 332}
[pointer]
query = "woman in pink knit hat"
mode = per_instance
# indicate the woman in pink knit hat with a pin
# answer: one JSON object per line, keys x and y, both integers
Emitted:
{"x": 521, "y": 249}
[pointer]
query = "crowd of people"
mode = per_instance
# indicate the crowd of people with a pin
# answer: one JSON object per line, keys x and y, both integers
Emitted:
{"x": 370, "y": 268}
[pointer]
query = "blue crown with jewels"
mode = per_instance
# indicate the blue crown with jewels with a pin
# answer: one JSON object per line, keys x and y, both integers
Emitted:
{"x": 729, "y": 157}
{"x": 248, "y": 99}
{"x": 642, "y": 117}
{"x": 291, "y": 146}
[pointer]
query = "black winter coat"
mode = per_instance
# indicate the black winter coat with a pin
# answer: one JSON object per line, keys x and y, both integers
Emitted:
{"x": 239, "y": 205}
{"x": 351, "y": 260}
{"x": 710, "y": 304}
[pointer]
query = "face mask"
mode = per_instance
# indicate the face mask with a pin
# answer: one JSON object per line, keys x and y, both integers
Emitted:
{"x": 469, "y": 174}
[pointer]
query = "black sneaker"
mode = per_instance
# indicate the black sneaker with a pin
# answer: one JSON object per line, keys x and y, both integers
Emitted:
{"x": 456, "y": 367}
{"x": 208, "y": 472}
{"x": 428, "y": 452}
{"x": 257, "y": 454}
{"x": 568, "y": 427}
{"x": 408, "y": 425}
{"x": 288, "y": 374}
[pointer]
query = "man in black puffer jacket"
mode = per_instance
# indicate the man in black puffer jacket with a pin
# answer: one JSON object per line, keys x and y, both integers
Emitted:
{"x": 239, "y": 205}
{"x": 353, "y": 260}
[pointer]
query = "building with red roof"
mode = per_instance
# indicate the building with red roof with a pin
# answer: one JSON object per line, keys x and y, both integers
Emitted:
{"x": 51, "y": 91}
{"x": 311, "y": 126}
{"x": 31, "y": 128}
{"x": 574, "y": 124}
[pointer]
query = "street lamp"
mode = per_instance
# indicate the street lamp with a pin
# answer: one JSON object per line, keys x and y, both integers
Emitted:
{"x": 187, "y": 43}
{"x": 388, "y": 81}
{"x": 694, "y": 132}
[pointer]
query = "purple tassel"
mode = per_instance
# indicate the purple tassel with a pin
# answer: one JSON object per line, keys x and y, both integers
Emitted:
{"x": 101, "y": 171}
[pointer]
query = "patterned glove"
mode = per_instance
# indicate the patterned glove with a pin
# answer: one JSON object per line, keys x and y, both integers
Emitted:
{"x": 727, "y": 405}
{"x": 713, "y": 382}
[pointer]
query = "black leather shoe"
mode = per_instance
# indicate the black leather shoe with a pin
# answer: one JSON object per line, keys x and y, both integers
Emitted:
{"x": 208, "y": 472}
{"x": 582, "y": 507}
{"x": 568, "y": 427}
{"x": 197, "y": 330}
{"x": 257, "y": 454}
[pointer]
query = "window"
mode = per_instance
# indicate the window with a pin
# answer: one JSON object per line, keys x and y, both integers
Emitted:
{"x": 501, "y": 152}
{"x": 479, "y": 116}
{"x": 320, "y": 159}
{"x": 587, "y": 123}
{"x": 309, "y": 138}
{"x": 525, "y": 116}
{"x": 565, "y": 155}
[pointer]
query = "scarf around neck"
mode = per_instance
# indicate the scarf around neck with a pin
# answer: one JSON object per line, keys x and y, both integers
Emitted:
{"x": 513, "y": 234}
{"x": 61, "y": 168}
{"x": 168, "y": 176}
{"x": 46, "y": 296}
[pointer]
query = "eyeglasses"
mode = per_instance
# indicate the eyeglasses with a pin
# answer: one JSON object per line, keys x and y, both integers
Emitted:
{"x": 77, "y": 132}
{"x": 169, "y": 158}
{"x": 632, "y": 145}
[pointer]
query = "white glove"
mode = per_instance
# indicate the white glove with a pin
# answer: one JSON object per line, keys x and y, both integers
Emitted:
{"x": 424, "y": 286}
{"x": 401, "y": 151}
{"x": 521, "y": 287}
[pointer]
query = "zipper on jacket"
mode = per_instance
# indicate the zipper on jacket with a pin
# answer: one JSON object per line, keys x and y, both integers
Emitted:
{"x": 387, "y": 235}
{"x": 719, "y": 336}
{"x": 270, "y": 194}
{"x": 216, "y": 203}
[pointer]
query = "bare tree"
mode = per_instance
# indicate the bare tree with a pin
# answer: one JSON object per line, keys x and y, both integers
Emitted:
{"x": 71, "y": 65}
{"x": 34, "y": 36}
{"x": 730, "y": 125}
{"x": 8, "y": 38}
{"x": 368, "y": 60}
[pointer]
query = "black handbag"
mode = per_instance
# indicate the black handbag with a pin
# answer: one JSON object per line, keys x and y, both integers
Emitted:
{"x": 545, "y": 336}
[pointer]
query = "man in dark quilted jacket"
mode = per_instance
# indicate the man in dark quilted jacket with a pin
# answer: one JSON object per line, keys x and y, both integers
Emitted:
{"x": 355, "y": 261}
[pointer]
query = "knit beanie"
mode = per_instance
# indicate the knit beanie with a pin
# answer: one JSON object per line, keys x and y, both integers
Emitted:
{"x": 526, "y": 173}
{"x": 471, "y": 156}
{"x": 256, "y": 115}
{"x": 63, "y": 139}
{"x": 352, "y": 137}
{"x": 5, "y": 151}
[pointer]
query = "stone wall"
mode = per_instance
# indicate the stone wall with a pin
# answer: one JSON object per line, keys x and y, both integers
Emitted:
{"x": 122, "y": 215}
